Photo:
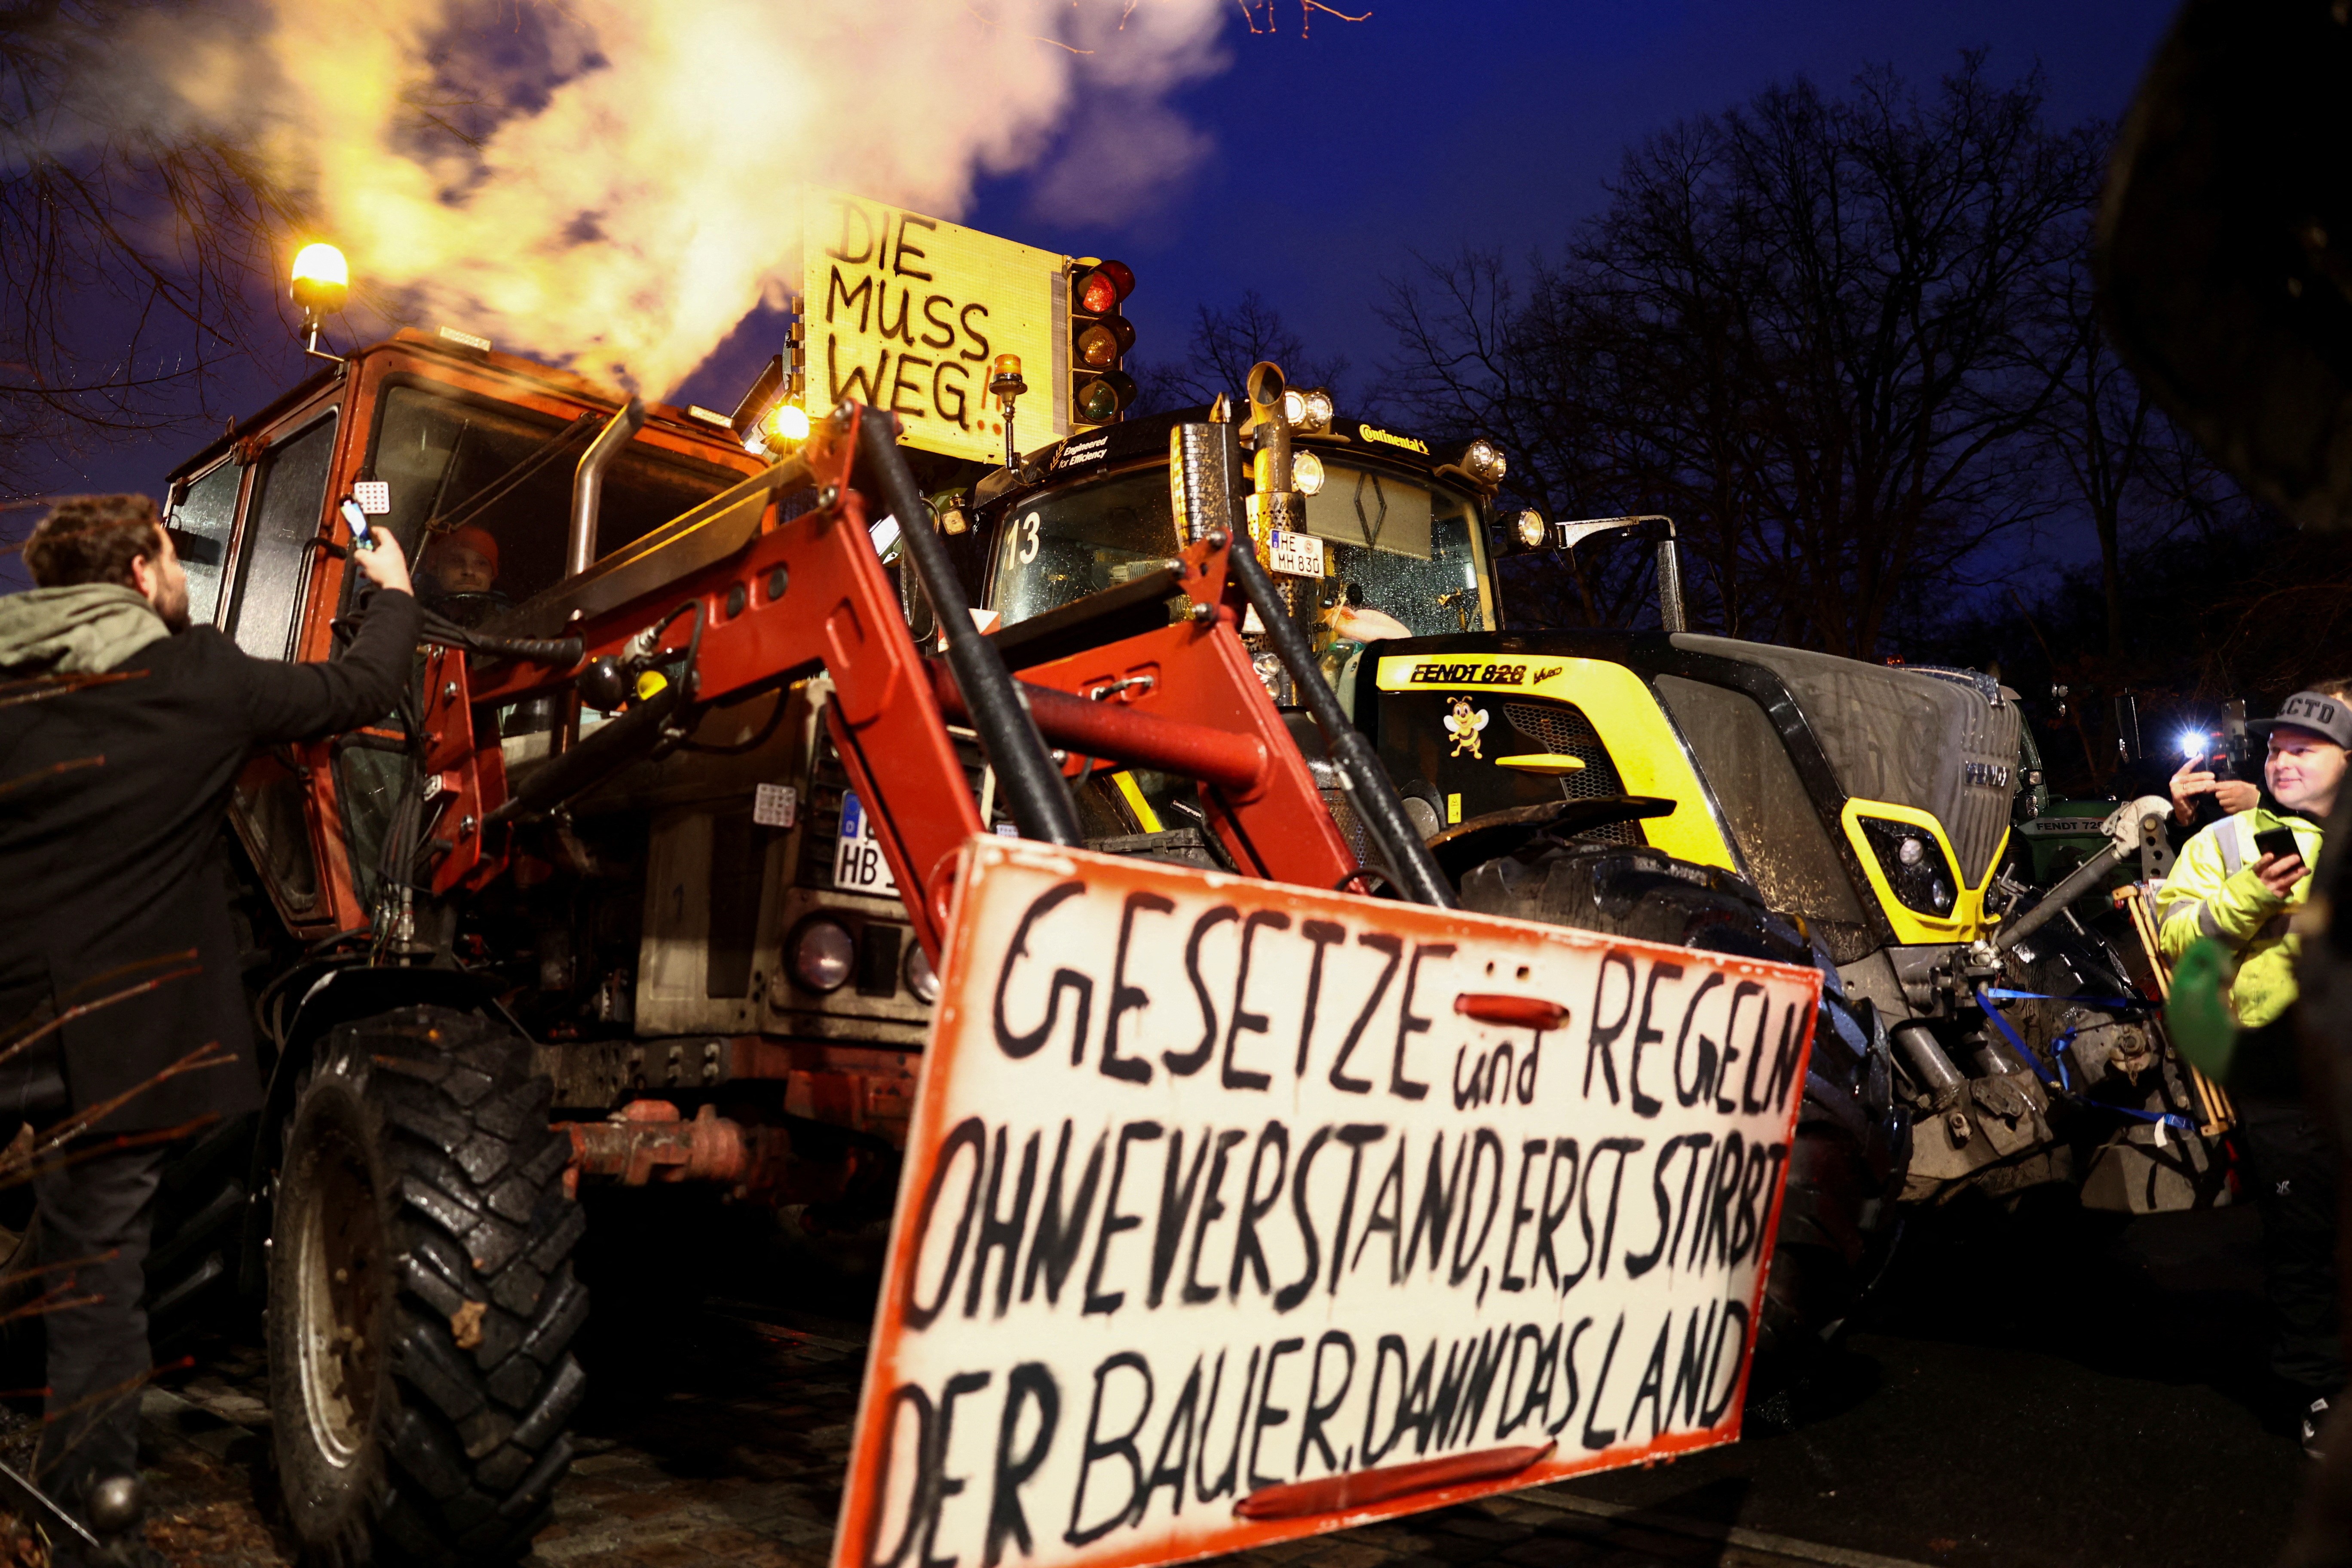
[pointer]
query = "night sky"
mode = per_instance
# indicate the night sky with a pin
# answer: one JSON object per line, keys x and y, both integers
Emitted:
{"x": 1427, "y": 128}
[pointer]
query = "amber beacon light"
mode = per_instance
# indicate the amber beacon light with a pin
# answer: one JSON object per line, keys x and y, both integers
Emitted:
{"x": 323, "y": 281}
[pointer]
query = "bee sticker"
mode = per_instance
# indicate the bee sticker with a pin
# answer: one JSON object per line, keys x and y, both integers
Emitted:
{"x": 1463, "y": 724}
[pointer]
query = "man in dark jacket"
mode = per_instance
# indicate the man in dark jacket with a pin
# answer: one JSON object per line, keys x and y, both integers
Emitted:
{"x": 122, "y": 733}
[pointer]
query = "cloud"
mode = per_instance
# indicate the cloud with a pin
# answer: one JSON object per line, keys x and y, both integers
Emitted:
{"x": 611, "y": 183}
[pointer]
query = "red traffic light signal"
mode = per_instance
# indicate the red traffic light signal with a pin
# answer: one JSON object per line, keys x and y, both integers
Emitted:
{"x": 1099, "y": 339}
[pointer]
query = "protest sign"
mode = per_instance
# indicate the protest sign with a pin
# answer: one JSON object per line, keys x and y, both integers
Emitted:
{"x": 1234, "y": 1212}
{"x": 908, "y": 313}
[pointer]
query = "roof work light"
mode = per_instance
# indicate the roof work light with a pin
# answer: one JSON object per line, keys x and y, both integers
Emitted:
{"x": 323, "y": 281}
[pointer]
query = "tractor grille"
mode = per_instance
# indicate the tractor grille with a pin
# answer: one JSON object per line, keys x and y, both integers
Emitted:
{"x": 1562, "y": 729}
{"x": 1351, "y": 826}
{"x": 829, "y": 781}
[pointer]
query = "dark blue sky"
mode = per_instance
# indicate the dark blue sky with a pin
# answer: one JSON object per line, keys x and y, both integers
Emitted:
{"x": 1429, "y": 127}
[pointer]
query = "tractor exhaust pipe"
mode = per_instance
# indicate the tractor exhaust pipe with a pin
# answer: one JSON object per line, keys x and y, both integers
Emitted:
{"x": 588, "y": 484}
{"x": 1671, "y": 618}
{"x": 1670, "y": 582}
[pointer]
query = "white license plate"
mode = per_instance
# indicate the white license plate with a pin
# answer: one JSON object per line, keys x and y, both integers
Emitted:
{"x": 857, "y": 862}
{"x": 1295, "y": 554}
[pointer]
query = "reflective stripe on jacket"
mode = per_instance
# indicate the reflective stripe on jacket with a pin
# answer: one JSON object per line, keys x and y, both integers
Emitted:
{"x": 2213, "y": 891}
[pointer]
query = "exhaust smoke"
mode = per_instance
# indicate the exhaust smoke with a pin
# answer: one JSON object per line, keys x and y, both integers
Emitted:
{"x": 610, "y": 185}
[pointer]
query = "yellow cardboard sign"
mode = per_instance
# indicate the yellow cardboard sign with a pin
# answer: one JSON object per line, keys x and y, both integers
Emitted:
{"x": 907, "y": 312}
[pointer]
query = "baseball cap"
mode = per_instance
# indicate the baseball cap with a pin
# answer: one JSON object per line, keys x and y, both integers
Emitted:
{"x": 2322, "y": 715}
{"x": 477, "y": 540}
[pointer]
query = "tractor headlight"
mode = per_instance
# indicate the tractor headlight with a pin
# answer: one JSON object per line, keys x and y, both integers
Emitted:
{"x": 1531, "y": 530}
{"x": 1294, "y": 408}
{"x": 1315, "y": 416}
{"x": 922, "y": 978}
{"x": 786, "y": 422}
{"x": 1307, "y": 473}
{"x": 1918, "y": 871}
{"x": 823, "y": 954}
{"x": 1483, "y": 462}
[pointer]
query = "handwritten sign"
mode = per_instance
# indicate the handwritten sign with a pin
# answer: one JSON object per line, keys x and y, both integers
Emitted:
{"x": 908, "y": 313}
{"x": 1235, "y": 1211}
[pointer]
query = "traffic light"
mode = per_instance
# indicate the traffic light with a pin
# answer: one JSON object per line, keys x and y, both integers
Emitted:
{"x": 1099, "y": 339}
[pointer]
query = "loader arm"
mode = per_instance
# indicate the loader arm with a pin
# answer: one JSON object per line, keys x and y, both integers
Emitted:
{"x": 809, "y": 594}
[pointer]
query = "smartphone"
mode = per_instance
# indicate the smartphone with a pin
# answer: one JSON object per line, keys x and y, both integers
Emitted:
{"x": 363, "y": 533}
{"x": 2208, "y": 810}
{"x": 2279, "y": 841}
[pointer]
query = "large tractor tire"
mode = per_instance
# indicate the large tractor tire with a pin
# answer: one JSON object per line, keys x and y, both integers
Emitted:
{"x": 1838, "y": 1221}
{"x": 421, "y": 1302}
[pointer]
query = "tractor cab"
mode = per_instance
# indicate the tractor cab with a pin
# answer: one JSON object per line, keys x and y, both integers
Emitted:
{"x": 466, "y": 456}
{"x": 1396, "y": 534}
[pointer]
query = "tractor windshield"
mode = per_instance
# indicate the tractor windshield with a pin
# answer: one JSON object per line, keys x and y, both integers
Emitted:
{"x": 481, "y": 491}
{"x": 1390, "y": 543}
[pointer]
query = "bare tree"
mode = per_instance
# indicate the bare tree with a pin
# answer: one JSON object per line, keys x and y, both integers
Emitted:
{"x": 129, "y": 251}
{"x": 1217, "y": 358}
{"x": 1806, "y": 328}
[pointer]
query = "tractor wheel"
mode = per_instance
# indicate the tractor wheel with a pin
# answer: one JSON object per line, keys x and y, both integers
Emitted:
{"x": 1838, "y": 1221}
{"x": 422, "y": 1303}
{"x": 1836, "y": 1234}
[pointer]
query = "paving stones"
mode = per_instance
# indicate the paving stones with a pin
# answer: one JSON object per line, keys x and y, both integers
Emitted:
{"x": 737, "y": 1459}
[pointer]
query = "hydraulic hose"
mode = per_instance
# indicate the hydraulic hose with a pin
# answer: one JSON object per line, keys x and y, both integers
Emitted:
{"x": 1027, "y": 779}
{"x": 561, "y": 651}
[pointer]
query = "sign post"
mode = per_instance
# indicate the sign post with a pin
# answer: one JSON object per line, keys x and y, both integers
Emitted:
{"x": 907, "y": 312}
{"x": 1235, "y": 1211}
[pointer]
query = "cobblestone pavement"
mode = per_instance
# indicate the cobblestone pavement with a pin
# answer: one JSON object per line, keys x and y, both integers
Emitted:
{"x": 739, "y": 1461}
{"x": 2106, "y": 1417}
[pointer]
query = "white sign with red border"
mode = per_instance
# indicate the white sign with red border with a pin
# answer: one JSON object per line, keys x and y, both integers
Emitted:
{"x": 1235, "y": 1211}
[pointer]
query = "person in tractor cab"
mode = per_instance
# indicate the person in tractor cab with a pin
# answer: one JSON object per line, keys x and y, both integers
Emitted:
{"x": 2238, "y": 882}
{"x": 459, "y": 574}
{"x": 122, "y": 1015}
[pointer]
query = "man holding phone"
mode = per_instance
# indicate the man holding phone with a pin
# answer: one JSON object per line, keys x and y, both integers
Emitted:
{"x": 2239, "y": 882}
{"x": 118, "y": 957}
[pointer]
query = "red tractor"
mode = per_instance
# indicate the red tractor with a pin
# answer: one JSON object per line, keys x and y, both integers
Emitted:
{"x": 645, "y": 881}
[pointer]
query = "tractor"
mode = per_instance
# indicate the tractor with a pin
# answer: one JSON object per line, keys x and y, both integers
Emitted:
{"x": 643, "y": 884}
{"x": 1696, "y": 789}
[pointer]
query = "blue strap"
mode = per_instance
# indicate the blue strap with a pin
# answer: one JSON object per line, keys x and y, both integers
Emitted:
{"x": 2004, "y": 1024}
{"x": 2003, "y": 994}
{"x": 2062, "y": 1083}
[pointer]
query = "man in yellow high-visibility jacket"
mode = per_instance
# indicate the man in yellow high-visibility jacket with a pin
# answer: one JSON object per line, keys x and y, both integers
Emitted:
{"x": 2226, "y": 888}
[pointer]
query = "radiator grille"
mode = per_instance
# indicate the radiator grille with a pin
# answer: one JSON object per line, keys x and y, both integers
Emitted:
{"x": 828, "y": 782}
{"x": 1562, "y": 729}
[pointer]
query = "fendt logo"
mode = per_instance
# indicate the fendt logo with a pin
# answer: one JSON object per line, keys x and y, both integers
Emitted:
{"x": 1985, "y": 775}
{"x": 1469, "y": 674}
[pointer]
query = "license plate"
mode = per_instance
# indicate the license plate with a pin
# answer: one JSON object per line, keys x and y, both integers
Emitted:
{"x": 857, "y": 862}
{"x": 1295, "y": 554}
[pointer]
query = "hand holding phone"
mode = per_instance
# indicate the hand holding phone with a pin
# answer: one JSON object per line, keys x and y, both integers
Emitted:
{"x": 363, "y": 531}
{"x": 2278, "y": 841}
